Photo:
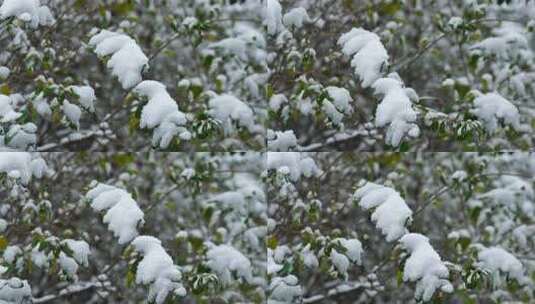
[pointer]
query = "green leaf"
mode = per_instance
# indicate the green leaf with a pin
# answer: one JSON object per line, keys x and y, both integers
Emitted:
{"x": 399, "y": 277}
{"x": 130, "y": 277}
{"x": 272, "y": 242}
{"x": 5, "y": 89}
{"x": 3, "y": 242}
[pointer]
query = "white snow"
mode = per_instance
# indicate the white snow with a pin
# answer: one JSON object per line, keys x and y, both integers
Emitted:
{"x": 233, "y": 200}
{"x": 28, "y": 11}
{"x": 273, "y": 18}
{"x": 491, "y": 108}
{"x": 353, "y": 249}
{"x": 272, "y": 265}
{"x": 225, "y": 260}
{"x": 281, "y": 140}
{"x": 127, "y": 60}
{"x": 390, "y": 214}
{"x": 68, "y": 265}
{"x": 80, "y": 251}
{"x": 277, "y": 101}
{"x": 86, "y": 95}
{"x": 459, "y": 176}
{"x": 296, "y": 17}
{"x": 246, "y": 44}
{"x": 341, "y": 98}
{"x": 39, "y": 258}
{"x": 511, "y": 192}
{"x": 157, "y": 269}
{"x": 285, "y": 290}
{"x": 496, "y": 259}
{"x": 294, "y": 163}
{"x": 7, "y": 112}
{"x": 4, "y": 72}
{"x": 162, "y": 113}
{"x": 11, "y": 253}
{"x": 228, "y": 109}
{"x": 509, "y": 39}
{"x": 40, "y": 103}
{"x": 455, "y": 22}
{"x": 340, "y": 262}
{"x": 3, "y": 225}
{"x": 72, "y": 112}
{"x": 424, "y": 266}
{"x": 22, "y": 136}
{"x": 21, "y": 165}
{"x": 123, "y": 214}
{"x": 370, "y": 58}
{"x": 309, "y": 258}
{"x": 395, "y": 110}
{"x": 15, "y": 291}
{"x": 337, "y": 105}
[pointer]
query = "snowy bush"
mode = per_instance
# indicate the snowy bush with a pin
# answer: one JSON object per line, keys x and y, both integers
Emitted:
{"x": 128, "y": 227}
{"x": 423, "y": 75}
{"x": 400, "y": 227}
{"x": 129, "y": 75}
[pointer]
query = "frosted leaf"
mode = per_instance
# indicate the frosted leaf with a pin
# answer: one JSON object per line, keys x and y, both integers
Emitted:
{"x": 157, "y": 270}
{"x": 424, "y": 267}
{"x": 127, "y": 59}
{"x": 123, "y": 214}
{"x": 281, "y": 140}
{"x": 228, "y": 110}
{"x": 162, "y": 113}
{"x": 390, "y": 214}
{"x": 225, "y": 260}
{"x": 369, "y": 55}
{"x": 491, "y": 108}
